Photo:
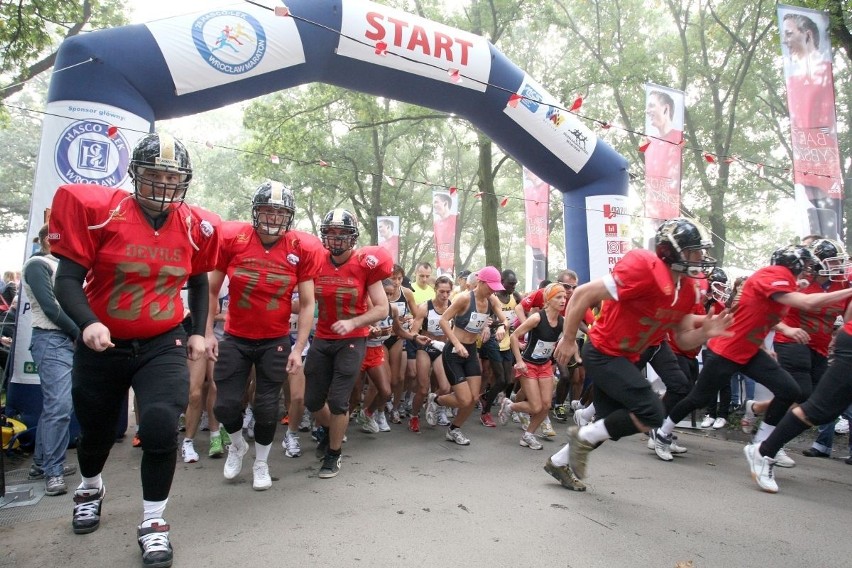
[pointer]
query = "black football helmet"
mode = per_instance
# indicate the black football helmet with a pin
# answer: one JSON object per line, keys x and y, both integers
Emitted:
{"x": 346, "y": 231}
{"x": 720, "y": 290}
{"x": 160, "y": 152}
{"x": 797, "y": 258}
{"x": 277, "y": 197}
{"x": 676, "y": 236}
{"x": 830, "y": 259}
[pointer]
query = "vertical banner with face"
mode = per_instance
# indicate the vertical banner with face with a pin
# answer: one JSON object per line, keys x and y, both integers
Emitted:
{"x": 664, "y": 126}
{"x": 608, "y": 226}
{"x": 536, "y": 203}
{"x": 817, "y": 179}
{"x": 445, "y": 209}
{"x": 388, "y": 229}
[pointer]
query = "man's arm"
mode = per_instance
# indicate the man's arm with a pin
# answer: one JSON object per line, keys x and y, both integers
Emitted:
{"x": 811, "y": 302}
{"x": 39, "y": 277}
{"x": 583, "y": 298}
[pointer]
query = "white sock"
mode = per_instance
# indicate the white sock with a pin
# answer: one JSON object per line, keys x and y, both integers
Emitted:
{"x": 185, "y": 440}
{"x": 261, "y": 452}
{"x": 668, "y": 427}
{"x": 763, "y": 432}
{"x": 95, "y": 482}
{"x": 153, "y": 509}
{"x": 594, "y": 433}
{"x": 587, "y": 413}
{"x": 560, "y": 458}
{"x": 237, "y": 439}
{"x": 214, "y": 434}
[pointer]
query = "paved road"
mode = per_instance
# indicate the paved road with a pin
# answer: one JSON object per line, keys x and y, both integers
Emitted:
{"x": 416, "y": 500}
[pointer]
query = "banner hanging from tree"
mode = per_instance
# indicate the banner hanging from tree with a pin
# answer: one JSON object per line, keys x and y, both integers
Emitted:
{"x": 388, "y": 229}
{"x": 664, "y": 126}
{"x": 445, "y": 207}
{"x": 806, "y": 48}
{"x": 537, "y": 205}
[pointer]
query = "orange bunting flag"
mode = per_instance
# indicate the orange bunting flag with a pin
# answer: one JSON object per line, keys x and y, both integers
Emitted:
{"x": 730, "y": 159}
{"x": 381, "y": 48}
{"x": 644, "y": 146}
{"x": 453, "y": 190}
{"x": 504, "y": 202}
{"x": 578, "y": 102}
{"x": 514, "y": 100}
{"x": 282, "y": 11}
{"x": 112, "y": 131}
{"x": 274, "y": 159}
{"x": 455, "y": 76}
{"x": 709, "y": 158}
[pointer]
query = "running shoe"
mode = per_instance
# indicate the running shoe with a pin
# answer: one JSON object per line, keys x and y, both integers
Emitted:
{"x": 547, "y": 430}
{"x": 564, "y": 476}
{"x": 431, "y": 410}
{"x": 783, "y": 460}
{"x": 708, "y": 421}
{"x": 842, "y": 426}
{"x": 368, "y": 423}
{"x": 487, "y": 421}
{"x": 443, "y": 419}
{"x": 330, "y": 466}
{"x": 261, "y": 480}
{"x": 676, "y": 448}
{"x": 719, "y": 423}
{"x": 414, "y": 424}
{"x": 505, "y": 411}
{"x": 204, "y": 426}
{"x": 187, "y": 450}
{"x": 662, "y": 445}
{"x": 55, "y": 485}
{"x": 182, "y": 422}
{"x": 455, "y": 435}
{"x": 153, "y": 537}
{"x": 305, "y": 424}
{"x": 761, "y": 468}
{"x": 234, "y": 463}
{"x": 525, "y": 420}
{"x": 395, "y": 417}
{"x": 216, "y": 449}
{"x": 749, "y": 418}
{"x": 87, "y": 509}
{"x": 226, "y": 438}
{"x": 291, "y": 445}
{"x": 560, "y": 413}
{"x": 37, "y": 473}
{"x": 382, "y": 422}
{"x": 528, "y": 440}
{"x": 578, "y": 452}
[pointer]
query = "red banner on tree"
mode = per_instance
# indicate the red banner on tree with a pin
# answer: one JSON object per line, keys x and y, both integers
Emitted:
{"x": 806, "y": 47}
{"x": 664, "y": 126}
{"x": 445, "y": 212}
{"x": 536, "y": 203}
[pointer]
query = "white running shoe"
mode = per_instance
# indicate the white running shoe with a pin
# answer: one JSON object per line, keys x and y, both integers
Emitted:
{"x": 761, "y": 468}
{"x": 783, "y": 460}
{"x": 662, "y": 445}
{"x": 204, "y": 426}
{"x": 546, "y": 429}
{"x": 382, "y": 422}
{"x": 577, "y": 405}
{"x": 708, "y": 421}
{"x": 842, "y": 426}
{"x": 432, "y": 410}
{"x": 457, "y": 437}
{"x": 305, "y": 424}
{"x": 676, "y": 448}
{"x": 525, "y": 420}
{"x": 187, "y": 450}
{"x": 719, "y": 423}
{"x": 749, "y": 418}
{"x": 234, "y": 463}
{"x": 505, "y": 411}
{"x": 528, "y": 440}
{"x": 367, "y": 422}
{"x": 262, "y": 481}
{"x": 443, "y": 419}
{"x": 291, "y": 445}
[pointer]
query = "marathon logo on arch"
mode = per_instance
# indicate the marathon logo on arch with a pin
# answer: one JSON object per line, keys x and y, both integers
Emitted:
{"x": 610, "y": 211}
{"x": 85, "y": 153}
{"x": 231, "y": 41}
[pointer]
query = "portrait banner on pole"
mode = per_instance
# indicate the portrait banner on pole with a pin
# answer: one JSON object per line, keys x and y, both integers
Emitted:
{"x": 608, "y": 226}
{"x": 388, "y": 229}
{"x": 817, "y": 179}
{"x": 663, "y": 156}
{"x": 445, "y": 208}
{"x": 536, "y": 204}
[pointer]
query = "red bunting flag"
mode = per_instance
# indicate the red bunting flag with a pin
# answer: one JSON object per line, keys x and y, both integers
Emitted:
{"x": 453, "y": 190}
{"x": 514, "y": 100}
{"x": 282, "y": 11}
{"x": 709, "y": 158}
{"x": 644, "y": 146}
{"x": 478, "y": 194}
{"x": 504, "y": 202}
{"x": 578, "y": 102}
{"x": 455, "y": 76}
{"x": 323, "y": 163}
{"x": 381, "y": 48}
{"x": 730, "y": 159}
{"x": 112, "y": 131}
{"x": 605, "y": 125}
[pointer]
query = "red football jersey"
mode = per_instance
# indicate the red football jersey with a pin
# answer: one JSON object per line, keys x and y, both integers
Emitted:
{"x": 819, "y": 324}
{"x": 135, "y": 272}
{"x": 342, "y": 290}
{"x": 756, "y": 313}
{"x": 261, "y": 280}
{"x": 648, "y": 306}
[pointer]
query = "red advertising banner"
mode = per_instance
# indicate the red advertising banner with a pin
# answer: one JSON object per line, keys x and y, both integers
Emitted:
{"x": 817, "y": 179}
{"x": 664, "y": 126}
{"x": 445, "y": 208}
{"x": 537, "y": 205}
{"x": 388, "y": 229}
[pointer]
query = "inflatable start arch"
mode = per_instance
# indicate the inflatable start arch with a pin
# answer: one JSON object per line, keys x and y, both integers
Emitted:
{"x": 116, "y": 83}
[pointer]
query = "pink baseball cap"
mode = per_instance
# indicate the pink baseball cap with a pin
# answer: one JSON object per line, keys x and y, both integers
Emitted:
{"x": 490, "y": 276}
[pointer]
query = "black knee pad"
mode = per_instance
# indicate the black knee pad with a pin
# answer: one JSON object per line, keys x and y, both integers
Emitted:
{"x": 158, "y": 428}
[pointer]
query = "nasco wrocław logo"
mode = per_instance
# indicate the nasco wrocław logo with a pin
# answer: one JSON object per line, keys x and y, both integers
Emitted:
{"x": 85, "y": 153}
{"x": 230, "y": 41}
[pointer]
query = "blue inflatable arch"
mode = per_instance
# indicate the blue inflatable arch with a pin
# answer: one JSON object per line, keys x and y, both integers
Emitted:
{"x": 195, "y": 63}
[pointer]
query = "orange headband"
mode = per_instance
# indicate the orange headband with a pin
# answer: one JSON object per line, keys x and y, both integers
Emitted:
{"x": 552, "y": 290}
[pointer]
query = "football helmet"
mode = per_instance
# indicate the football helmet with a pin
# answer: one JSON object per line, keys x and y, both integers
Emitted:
{"x": 160, "y": 152}
{"x": 830, "y": 259}
{"x": 276, "y": 196}
{"x": 677, "y": 236}
{"x": 720, "y": 290}
{"x": 345, "y": 226}
{"x": 797, "y": 258}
